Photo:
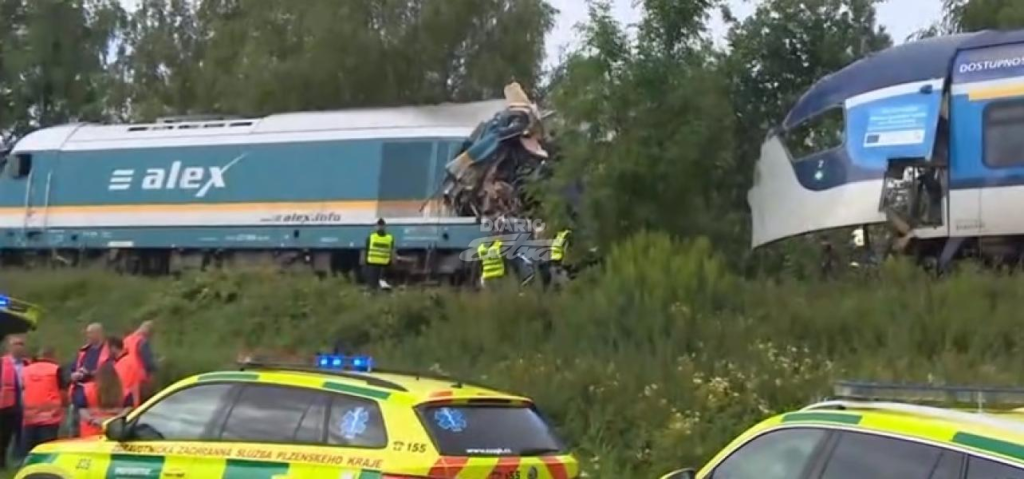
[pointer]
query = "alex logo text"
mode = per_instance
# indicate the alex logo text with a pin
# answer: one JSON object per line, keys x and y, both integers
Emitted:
{"x": 202, "y": 179}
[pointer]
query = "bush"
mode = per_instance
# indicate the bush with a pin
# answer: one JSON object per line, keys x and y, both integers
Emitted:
{"x": 652, "y": 362}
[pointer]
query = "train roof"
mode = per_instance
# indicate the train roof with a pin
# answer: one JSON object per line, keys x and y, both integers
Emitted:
{"x": 448, "y": 120}
{"x": 910, "y": 62}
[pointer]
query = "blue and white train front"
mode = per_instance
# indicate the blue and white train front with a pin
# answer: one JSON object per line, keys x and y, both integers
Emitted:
{"x": 828, "y": 170}
{"x": 834, "y": 160}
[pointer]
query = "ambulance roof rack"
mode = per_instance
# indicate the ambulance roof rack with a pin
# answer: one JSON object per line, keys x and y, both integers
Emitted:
{"x": 305, "y": 368}
{"x": 900, "y": 398}
{"x": 951, "y": 415}
{"x": 922, "y": 393}
{"x": 354, "y": 367}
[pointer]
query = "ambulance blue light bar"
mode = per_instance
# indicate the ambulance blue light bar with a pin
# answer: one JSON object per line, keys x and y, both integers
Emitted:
{"x": 4, "y": 301}
{"x": 342, "y": 362}
{"x": 869, "y": 391}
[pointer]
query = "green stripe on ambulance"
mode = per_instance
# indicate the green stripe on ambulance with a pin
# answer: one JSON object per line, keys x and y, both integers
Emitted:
{"x": 125, "y": 466}
{"x": 243, "y": 469}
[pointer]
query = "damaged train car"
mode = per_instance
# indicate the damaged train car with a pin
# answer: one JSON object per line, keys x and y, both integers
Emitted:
{"x": 297, "y": 190}
{"x": 927, "y": 137}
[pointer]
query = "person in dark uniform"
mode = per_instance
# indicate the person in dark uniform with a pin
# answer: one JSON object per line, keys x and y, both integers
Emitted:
{"x": 380, "y": 250}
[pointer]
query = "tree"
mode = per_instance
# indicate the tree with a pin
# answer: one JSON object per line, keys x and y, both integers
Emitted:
{"x": 645, "y": 125}
{"x": 781, "y": 50}
{"x": 974, "y": 15}
{"x": 158, "y": 61}
{"x": 261, "y": 57}
{"x": 55, "y": 54}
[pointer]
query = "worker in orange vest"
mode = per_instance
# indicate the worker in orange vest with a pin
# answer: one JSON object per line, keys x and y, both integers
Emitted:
{"x": 87, "y": 361}
{"x": 11, "y": 366}
{"x": 104, "y": 399}
{"x": 128, "y": 371}
{"x": 137, "y": 346}
{"x": 44, "y": 401}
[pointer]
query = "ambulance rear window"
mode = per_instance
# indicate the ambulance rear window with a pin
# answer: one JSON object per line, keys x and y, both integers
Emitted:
{"x": 490, "y": 430}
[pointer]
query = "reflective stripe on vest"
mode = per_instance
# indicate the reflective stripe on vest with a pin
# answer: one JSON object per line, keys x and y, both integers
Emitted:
{"x": 380, "y": 249}
{"x": 8, "y": 390}
{"x": 132, "y": 346}
{"x": 558, "y": 246}
{"x": 493, "y": 263}
{"x": 42, "y": 394}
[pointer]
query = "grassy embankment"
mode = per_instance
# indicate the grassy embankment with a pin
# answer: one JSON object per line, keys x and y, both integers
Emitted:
{"x": 650, "y": 364}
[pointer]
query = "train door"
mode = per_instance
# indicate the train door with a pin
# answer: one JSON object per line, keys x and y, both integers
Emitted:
{"x": 987, "y": 148}
{"x": 21, "y": 175}
{"x": 898, "y": 129}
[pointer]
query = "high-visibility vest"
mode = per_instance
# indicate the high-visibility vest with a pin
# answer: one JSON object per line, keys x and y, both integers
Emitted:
{"x": 380, "y": 249}
{"x": 43, "y": 405}
{"x": 132, "y": 344}
{"x": 8, "y": 384}
{"x": 90, "y": 422}
{"x": 558, "y": 246}
{"x": 104, "y": 356}
{"x": 493, "y": 263}
{"x": 131, "y": 377}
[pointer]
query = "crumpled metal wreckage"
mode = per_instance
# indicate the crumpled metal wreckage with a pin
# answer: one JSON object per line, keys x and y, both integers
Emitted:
{"x": 501, "y": 157}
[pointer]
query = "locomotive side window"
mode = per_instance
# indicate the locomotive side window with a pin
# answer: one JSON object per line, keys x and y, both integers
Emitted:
{"x": 19, "y": 166}
{"x": 1002, "y": 126}
{"x": 821, "y": 133}
{"x": 404, "y": 165}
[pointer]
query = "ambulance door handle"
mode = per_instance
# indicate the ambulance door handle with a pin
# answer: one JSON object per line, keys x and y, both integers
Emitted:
{"x": 174, "y": 473}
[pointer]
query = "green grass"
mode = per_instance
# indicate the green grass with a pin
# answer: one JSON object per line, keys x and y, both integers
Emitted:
{"x": 651, "y": 363}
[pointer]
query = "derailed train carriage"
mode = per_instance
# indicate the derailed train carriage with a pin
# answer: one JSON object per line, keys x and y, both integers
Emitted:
{"x": 928, "y": 138}
{"x": 294, "y": 190}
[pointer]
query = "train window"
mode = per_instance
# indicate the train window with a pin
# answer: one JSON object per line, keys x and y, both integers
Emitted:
{"x": 442, "y": 159}
{"x": 1003, "y": 144}
{"x": 19, "y": 165}
{"x": 404, "y": 166}
{"x": 823, "y": 132}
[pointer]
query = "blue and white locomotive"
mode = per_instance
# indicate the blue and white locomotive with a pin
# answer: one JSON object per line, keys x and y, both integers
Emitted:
{"x": 929, "y": 139}
{"x": 289, "y": 188}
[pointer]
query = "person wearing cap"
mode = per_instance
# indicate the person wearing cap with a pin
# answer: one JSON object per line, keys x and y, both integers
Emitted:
{"x": 380, "y": 249}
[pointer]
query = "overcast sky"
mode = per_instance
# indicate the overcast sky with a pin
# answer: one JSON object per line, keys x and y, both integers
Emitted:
{"x": 900, "y": 17}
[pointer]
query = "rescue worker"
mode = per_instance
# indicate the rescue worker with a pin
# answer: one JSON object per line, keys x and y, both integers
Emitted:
{"x": 137, "y": 347}
{"x": 380, "y": 248}
{"x": 128, "y": 371}
{"x": 492, "y": 262}
{"x": 11, "y": 373}
{"x": 104, "y": 399}
{"x": 89, "y": 358}
{"x": 558, "y": 249}
{"x": 44, "y": 400}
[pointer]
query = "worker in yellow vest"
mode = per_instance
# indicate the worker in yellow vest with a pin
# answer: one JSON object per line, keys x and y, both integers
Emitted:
{"x": 558, "y": 249}
{"x": 492, "y": 262}
{"x": 380, "y": 249}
